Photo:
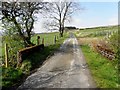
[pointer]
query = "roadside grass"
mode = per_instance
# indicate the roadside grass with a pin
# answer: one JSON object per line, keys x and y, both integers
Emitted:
{"x": 104, "y": 72}
{"x": 10, "y": 76}
{"x": 13, "y": 77}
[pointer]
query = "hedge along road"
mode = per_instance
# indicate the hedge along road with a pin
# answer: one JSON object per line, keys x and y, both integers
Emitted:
{"x": 67, "y": 68}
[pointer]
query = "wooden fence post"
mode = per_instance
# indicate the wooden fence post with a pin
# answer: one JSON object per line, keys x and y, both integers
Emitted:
{"x": 6, "y": 55}
{"x": 55, "y": 39}
{"x": 43, "y": 41}
{"x": 38, "y": 40}
{"x": 19, "y": 58}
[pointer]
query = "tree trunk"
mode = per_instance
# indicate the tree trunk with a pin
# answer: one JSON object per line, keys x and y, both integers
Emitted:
{"x": 28, "y": 42}
{"x": 61, "y": 31}
{"x": 61, "y": 34}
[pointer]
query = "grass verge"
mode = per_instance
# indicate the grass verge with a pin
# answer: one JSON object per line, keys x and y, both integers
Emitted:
{"x": 104, "y": 72}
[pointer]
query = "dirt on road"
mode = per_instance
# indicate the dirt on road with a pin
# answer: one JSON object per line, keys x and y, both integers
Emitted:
{"x": 67, "y": 68}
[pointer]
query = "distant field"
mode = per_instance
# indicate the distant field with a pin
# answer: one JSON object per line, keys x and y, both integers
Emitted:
{"x": 96, "y": 32}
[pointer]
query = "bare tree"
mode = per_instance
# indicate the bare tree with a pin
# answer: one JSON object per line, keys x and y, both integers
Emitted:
{"x": 22, "y": 15}
{"x": 59, "y": 12}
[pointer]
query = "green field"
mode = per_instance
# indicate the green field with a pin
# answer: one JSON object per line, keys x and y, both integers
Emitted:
{"x": 97, "y": 32}
{"x": 48, "y": 38}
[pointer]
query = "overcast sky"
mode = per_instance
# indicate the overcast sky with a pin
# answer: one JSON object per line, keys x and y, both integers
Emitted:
{"x": 95, "y": 14}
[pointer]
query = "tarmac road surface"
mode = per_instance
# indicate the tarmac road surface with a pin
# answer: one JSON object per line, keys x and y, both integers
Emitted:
{"x": 67, "y": 68}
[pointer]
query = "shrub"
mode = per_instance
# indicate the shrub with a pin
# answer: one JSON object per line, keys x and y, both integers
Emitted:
{"x": 113, "y": 41}
{"x": 26, "y": 66}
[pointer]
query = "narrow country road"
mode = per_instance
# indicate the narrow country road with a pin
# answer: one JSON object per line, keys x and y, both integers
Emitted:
{"x": 67, "y": 68}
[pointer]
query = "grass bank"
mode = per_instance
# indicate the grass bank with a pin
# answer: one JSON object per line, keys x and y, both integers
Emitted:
{"x": 104, "y": 72}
